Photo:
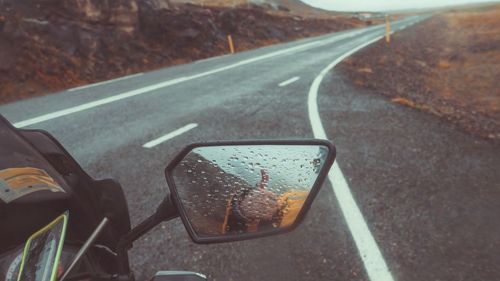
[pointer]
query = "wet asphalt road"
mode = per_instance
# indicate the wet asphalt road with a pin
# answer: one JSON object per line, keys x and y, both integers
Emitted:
{"x": 429, "y": 193}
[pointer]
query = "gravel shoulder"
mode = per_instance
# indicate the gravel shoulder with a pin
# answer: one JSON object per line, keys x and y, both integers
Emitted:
{"x": 447, "y": 66}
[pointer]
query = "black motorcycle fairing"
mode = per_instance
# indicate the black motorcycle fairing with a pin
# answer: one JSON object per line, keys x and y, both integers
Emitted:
{"x": 88, "y": 200}
{"x": 34, "y": 210}
{"x": 105, "y": 195}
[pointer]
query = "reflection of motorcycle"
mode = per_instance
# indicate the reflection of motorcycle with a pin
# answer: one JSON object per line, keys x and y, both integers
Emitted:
{"x": 39, "y": 181}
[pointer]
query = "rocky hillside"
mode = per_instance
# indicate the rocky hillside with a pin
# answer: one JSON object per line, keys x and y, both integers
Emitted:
{"x": 50, "y": 45}
{"x": 280, "y": 7}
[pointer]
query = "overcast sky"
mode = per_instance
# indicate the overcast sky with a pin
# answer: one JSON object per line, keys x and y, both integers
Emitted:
{"x": 384, "y": 5}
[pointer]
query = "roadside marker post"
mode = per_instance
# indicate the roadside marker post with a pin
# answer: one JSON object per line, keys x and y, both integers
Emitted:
{"x": 231, "y": 45}
{"x": 387, "y": 29}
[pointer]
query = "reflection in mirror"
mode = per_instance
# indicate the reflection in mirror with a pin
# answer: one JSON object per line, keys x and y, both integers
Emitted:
{"x": 230, "y": 190}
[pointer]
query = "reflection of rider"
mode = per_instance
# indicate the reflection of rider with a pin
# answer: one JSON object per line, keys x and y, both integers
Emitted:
{"x": 258, "y": 208}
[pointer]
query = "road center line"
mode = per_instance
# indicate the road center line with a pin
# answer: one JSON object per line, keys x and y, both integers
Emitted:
{"x": 170, "y": 135}
{"x": 150, "y": 88}
{"x": 369, "y": 251}
{"x": 105, "y": 82}
{"x": 289, "y": 81}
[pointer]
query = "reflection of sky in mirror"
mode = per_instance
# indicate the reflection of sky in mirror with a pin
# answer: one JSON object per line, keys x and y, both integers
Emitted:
{"x": 289, "y": 167}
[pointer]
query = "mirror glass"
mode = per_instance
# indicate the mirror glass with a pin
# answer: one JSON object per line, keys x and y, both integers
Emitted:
{"x": 231, "y": 190}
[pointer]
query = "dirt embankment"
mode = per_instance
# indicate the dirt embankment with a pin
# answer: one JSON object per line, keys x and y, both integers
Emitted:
{"x": 448, "y": 65}
{"x": 50, "y": 45}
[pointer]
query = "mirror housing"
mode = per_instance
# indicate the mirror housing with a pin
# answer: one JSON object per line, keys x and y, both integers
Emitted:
{"x": 260, "y": 180}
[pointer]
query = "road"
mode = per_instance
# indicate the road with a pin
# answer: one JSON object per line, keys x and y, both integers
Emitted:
{"x": 416, "y": 199}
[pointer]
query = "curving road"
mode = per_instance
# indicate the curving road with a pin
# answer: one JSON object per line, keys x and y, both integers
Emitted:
{"x": 405, "y": 206}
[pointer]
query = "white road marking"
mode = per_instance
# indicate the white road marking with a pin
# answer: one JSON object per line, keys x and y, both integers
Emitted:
{"x": 369, "y": 251}
{"x": 140, "y": 91}
{"x": 92, "y": 104}
{"x": 170, "y": 135}
{"x": 105, "y": 82}
{"x": 289, "y": 81}
{"x": 211, "y": 58}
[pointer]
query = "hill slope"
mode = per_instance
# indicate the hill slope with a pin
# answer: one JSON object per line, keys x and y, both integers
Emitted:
{"x": 50, "y": 45}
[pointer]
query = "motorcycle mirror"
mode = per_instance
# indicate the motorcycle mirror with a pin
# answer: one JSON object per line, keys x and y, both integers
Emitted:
{"x": 229, "y": 191}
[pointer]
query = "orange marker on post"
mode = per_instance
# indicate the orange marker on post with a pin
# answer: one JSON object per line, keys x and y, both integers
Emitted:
{"x": 387, "y": 30}
{"x": 231, "y": 46}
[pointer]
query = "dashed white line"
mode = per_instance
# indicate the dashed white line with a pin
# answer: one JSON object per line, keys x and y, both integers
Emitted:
{"x": 105, "y": 82}
{"x": 289, "y": 81}
{"x": 369, "y": 251}
{"x": 170, "y": 135}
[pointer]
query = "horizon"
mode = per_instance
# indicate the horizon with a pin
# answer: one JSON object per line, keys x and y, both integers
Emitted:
{"x": 387, "y": 5}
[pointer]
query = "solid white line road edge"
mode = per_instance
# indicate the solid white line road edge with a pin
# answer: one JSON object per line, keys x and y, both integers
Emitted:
{"x": 211, "y": 58}
{"x": 150, "y": 88}
{"x": 289, "y": 81}
{"x": 105, "y": 82}
{"x": 95, "y": 103}
{"x": 369, "y": 251}
{"x": 170, "y": 135}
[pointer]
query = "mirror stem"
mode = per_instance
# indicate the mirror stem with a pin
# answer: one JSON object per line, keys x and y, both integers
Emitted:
{"x": 166, "y": 211}
{"x": 85, "y": 247}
